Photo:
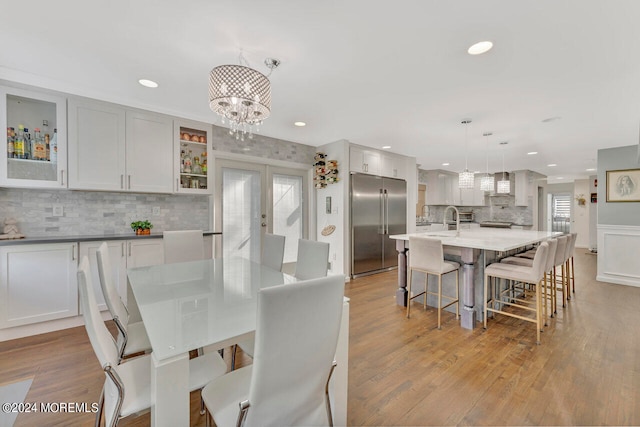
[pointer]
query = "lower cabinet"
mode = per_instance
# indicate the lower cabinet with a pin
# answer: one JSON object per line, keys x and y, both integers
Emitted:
{"x": 38, "y": 283}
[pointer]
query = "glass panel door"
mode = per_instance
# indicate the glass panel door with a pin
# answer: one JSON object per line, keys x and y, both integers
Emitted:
{"x": 288, "y": 212}
{"x": 241, "y": 210}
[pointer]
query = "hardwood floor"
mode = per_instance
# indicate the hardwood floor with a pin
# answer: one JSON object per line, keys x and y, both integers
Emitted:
{"x": 406, "y": 372}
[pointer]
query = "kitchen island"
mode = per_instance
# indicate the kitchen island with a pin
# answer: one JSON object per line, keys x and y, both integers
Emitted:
{"x": 474, "y": 249}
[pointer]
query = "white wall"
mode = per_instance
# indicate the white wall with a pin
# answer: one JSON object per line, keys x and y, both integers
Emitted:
{"x": 581, "y": 214}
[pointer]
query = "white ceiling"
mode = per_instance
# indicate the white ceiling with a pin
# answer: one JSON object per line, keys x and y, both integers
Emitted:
{"x": 372, "y": 72}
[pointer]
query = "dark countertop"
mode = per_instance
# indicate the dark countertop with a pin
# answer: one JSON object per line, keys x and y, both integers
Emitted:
{"x": 87, "y": 238}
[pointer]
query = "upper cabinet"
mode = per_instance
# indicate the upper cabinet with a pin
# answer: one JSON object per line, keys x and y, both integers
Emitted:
{"x": 34, "y": 153}
{"x": 96, "y": 146}
{"x": 377, "y": 163}
{"x": 473, "y": 196}
{"x": 442, "y": 188}
{"x": 116, "y": 149}
{"x": 191, "y": 152}
{"x": 367, "y": 161}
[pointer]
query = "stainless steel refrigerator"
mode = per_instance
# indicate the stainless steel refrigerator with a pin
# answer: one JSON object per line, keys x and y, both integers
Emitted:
{"x": 378, "y": 209}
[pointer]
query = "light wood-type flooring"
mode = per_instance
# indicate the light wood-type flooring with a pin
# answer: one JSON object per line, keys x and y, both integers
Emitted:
{"x": 406, "y": 372}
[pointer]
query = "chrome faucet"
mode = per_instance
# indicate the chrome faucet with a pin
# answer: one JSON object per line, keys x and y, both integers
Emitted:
{"x": 444, "y": 219}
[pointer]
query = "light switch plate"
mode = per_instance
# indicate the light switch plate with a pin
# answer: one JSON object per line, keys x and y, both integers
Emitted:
{"x": 155, "y": 211}
{"x": 58, "y": 210}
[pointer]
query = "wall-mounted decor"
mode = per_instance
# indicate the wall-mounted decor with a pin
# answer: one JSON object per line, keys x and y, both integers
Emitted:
{"x": 623, "y": 185}
{"x": 594, "y": 197}
{"x": 326, "y": 171}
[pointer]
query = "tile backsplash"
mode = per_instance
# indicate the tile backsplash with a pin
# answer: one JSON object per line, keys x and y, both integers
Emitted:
{"x": 96, "y": 213}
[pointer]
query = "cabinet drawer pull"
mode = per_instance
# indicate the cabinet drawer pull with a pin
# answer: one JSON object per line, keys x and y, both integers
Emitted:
{"x": 62, "y": 177}
{"x": 122, "y": 181}
{"x": 129, "y": 178}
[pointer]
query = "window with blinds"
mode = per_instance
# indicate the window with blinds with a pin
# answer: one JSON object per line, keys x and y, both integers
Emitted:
{"x": 562, "y": 206}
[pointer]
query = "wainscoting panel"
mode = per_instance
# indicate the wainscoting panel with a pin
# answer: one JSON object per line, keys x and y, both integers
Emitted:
{"x": 618, "y": 248}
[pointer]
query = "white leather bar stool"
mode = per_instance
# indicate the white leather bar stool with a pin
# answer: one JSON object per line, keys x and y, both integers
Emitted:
{"x": 563, "y": 242}
{"x": 426, "y": 255}
{"x": 546, "y": 280}
{"x": 531, "y": 275}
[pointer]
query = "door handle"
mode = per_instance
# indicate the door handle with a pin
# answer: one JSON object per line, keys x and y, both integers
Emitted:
{"x": 386, "y": 212}
{"x": 382, "y": 219}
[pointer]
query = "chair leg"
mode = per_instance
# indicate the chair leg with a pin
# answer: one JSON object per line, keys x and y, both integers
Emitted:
{"x": 100, "y": 409}
{"x": 426, "y": 291}
{"x": 202, "y": 407}
{"x": 544, "y": 297}
{"x": 573, "y": 276}
{"x": 568, "y": 281}
{"x": 458, "y": 294}
{"x": 439, "y": 299}
{"x": 409, "y": 293}
{"x": 485, "y": 301}
{"x": 538, "y": 323}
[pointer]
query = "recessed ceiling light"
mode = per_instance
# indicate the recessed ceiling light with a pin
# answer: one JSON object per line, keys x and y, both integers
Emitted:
{"x": 148, "y": 83}
{"x": 299, "y": 124}
{"x": 552, "y": 165}
{"x": 445, "y": 164}
{"x": 386, "y": 147}
{"x": 531, "y": 153}
{"x": 591, "y": 169}
{"x": 480, "y": 47}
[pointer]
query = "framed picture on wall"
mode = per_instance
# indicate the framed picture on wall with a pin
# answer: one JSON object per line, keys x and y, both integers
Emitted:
{"x": 623, "y": 185}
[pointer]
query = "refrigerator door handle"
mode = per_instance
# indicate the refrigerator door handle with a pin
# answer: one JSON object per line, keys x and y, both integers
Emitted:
{"x": 382, "y": 221}
{"x": 386, "y": 212}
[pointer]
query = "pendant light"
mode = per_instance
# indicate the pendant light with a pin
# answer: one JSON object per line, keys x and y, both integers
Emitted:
{"x": 465, "y": 178}
{"x": 504, "y": 185}
{"x": 487, "y": 182}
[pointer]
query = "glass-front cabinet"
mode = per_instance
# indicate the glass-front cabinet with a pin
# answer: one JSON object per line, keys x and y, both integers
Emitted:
{"x": 191, "y": 152}
{"x": 34, "y": 153}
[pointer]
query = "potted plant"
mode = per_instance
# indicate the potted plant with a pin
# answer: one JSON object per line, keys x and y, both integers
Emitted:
{"x": 141, "y": 227}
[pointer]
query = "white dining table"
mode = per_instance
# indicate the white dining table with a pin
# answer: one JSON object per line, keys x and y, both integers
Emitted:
{"x": 209, "y": 304}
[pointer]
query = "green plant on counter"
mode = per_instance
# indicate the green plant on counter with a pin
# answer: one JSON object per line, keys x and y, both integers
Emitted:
{"x": 141, "y": 225}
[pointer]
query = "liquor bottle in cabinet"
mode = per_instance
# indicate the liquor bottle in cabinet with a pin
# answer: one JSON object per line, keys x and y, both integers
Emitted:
{"x": 191, "y": 157}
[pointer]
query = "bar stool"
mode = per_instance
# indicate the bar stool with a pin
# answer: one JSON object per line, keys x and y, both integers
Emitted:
{"x": 531, "y": 275}
{"x": 560, "y": 258}
{"x": 571, "y": 279}
{"x": 546, "y": 278}
{"x": 427, "y": 256}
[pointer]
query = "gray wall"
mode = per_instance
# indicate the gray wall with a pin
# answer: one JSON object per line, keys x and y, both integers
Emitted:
{"x": 616, "y": 213}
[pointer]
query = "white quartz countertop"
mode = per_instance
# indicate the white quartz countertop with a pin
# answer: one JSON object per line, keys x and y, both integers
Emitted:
{"x": 494, "y": 239}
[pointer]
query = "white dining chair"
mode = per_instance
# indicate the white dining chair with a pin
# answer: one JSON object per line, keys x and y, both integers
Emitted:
{"x": 272, "y": 257}
{"x": 183, "y": 246}
{"x": 313, "y": 259}
{"x": 127, "y": 386}
{"x": 132, "y": 337}
{"x": 277, "y": 390}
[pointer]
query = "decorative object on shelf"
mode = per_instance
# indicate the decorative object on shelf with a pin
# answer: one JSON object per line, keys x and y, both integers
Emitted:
{"x": 623, "y": 185}
{"x": 11, "y": 230}
{"x": 325, "y": 172}
{"x": 465, "y": 178}
{"x": 504, "y": 185}
{"x": 141, "y": 227}
{"x": 241, "y": 95}
{"x": 581, "y": 200}
{"x": 487, "y": 182}
{"x": 326, "y": 231}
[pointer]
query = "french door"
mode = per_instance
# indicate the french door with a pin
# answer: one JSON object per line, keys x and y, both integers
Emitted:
{"x": 253, "y": 199}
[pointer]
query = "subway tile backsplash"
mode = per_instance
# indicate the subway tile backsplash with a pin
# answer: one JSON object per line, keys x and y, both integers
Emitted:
{"x": 96, "y": 213}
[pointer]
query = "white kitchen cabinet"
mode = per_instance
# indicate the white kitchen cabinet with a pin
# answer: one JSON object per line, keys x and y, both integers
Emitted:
{"x": 149, "y": 155}
{"x": 115, "y": 149}
{"x": 192, "y": 139}
{"x": 37, "y": 283}
{"x": 442, "y": 188}
{"x": 96, "y": 146}
{"x": 118, "y": 260}
{"x": 521, "y": 188}
{"x": 473, "y": 196}
{"x": 33, "y": 110}
{"x": 367, "y": 161}
{"x": 393, "y": 166}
